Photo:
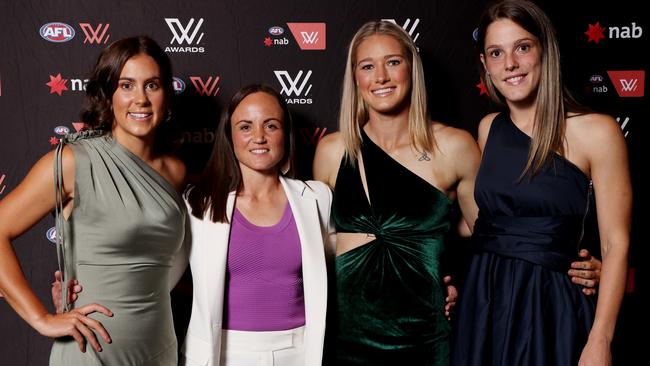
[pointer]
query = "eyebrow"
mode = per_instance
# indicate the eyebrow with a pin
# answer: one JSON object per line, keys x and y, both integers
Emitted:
{"x": 127, "y": 78}
{"x": 385, "y": 57}
{"x": 525, "y": 39}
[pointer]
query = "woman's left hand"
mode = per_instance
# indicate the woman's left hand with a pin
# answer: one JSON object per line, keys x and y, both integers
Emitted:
{"x": 586, "y": 272}
{"x": 73, "y": 289}
{"x": 596, "y": 352}
{"x": 452, "y": 297}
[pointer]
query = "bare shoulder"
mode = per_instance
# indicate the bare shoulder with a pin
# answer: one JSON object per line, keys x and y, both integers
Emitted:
{"x": 331, "y": 145}
{"x": 452, "y": 140}
{"x": 174, "y": 170}
{"x": 329, "y": 152}
{"x": 485, "y": 123}
{"x": 594, "y": 129}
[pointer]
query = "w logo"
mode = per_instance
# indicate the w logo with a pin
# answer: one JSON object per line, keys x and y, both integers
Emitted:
{"x": 2, "y": 186}
{"x": 623, "y": 124}
{"x": 310, "y": 36}
{"x": 181, "y": 33}
{"x": 408, "y": 27}
{"x": 95, "y": 35}
{"x": 628, "y": 83}
{"x": 206, "y": 88}
{"x": 290, "y": 85}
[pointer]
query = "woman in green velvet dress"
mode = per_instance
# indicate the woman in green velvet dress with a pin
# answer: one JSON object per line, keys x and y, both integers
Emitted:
{"x": 395, "y": 175}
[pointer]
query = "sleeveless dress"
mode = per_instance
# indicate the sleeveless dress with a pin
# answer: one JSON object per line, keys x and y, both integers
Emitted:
{"x": 518, "y": 305}
{"x": 390, "y": 295}
{"x": 125, "y": 228}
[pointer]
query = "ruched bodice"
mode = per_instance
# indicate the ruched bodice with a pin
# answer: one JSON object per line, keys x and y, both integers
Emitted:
{"x": 126, "y": 226}
{"x": 390, "y": 296}
{"x": 518, "y": 305}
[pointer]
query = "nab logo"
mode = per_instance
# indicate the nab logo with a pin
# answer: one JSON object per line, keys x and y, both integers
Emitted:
{"x": 95, "y": 35}
{"x": 276, "y": 31}
{"x": 2, "y": 185}
{"x": 596, "y": 32}
{"x": 51, "y": 234}
{"x": 208, "y": 87}
{"x": 61, "y": 130}
{"x": 188, "y": 34}
{"x": 178, "y": 84}
{"x": 628, "y": 83}
{"x": 57, "y": 32}
{"x": 623, "y": 125}
{"x": 310, "y": 36}
{"x": 408, "y": 27}
{"x": 294, "y": 86}
{"x": 58, "y": 84}
{"x": 597, "y": 87}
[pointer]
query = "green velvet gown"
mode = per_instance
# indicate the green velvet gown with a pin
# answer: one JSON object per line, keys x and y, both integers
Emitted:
{"x": 390, "y": 296}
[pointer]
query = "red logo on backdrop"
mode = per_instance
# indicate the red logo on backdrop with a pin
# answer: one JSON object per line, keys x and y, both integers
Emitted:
{"x": 57, "y": 84}
{"x": 312, "y": 137}
{"x": 595, "y": 33}
{"x": 2, "y": 185}
{"x": 78, "y": 126}
{"x": 95, "y": 35}
{"x": 208, "y": 87}
{"x": 628, "y": 83}
{"x": 57, "y": 32}
{"x": 310, "y": 36}
{"x": 481, "y": 87}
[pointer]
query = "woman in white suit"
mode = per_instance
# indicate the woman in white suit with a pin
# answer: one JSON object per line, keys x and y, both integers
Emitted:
{"x": 258, "y": 245}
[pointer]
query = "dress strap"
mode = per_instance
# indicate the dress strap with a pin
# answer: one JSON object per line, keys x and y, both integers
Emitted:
{"x": 59, "y": 194}
{"x": 58, "y": 217}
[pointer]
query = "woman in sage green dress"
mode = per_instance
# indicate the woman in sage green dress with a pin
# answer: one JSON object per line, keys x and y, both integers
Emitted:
{"x": 120, "y": 219}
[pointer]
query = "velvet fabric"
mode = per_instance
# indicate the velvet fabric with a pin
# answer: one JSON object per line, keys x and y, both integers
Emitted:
{"x": 390, "y": 296}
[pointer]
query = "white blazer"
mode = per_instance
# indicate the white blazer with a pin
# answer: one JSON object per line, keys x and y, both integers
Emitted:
{"x": 310, "y": 203}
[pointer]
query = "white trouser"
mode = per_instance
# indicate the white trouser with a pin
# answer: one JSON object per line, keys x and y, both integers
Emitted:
{"x": 275, "y": 348}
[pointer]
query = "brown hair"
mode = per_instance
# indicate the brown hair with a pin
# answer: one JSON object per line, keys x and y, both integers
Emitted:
{"x": 222, "y": 174}
{"x": 97, "y": 112}
{"x": 553, "y": 100}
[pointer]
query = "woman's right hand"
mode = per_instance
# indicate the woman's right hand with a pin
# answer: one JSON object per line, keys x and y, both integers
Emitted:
{"x": 77, "y": 324}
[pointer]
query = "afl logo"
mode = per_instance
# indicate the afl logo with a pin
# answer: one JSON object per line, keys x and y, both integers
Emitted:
{"x": 596, "y": 79}
{"x": 61, "y": 130}
{"x": 276, "y": 31}
{"x": 179, "y": 85}
{"x": 51, "y": 234}
{"x": 57, "y": 32}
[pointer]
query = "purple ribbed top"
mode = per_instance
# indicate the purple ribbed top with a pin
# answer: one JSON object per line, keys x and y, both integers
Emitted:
{"x": 263, "y": 289}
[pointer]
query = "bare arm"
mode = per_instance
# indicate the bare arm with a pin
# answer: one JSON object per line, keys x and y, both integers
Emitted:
{"x": 34, "y": 198}
{"x": 327, "y": 159}
{"x": 612, "y": 187}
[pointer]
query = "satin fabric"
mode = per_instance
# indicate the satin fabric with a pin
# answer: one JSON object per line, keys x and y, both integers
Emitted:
{"x": 390, "y": 296}
{"x": 124, "y": 231}
{"x": 518, "y": 305}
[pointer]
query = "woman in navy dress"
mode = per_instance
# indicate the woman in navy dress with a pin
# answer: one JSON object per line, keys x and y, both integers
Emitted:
{"x": 541, "y": 160}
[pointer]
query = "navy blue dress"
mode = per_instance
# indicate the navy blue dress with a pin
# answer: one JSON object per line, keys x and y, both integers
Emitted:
{"x": 518, "y": 305}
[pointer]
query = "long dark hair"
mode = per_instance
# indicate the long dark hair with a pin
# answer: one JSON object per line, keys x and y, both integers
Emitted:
{"x": 222, "y": 174}
{"x": 554, "y": 100}
{"x": 97, "y": 112}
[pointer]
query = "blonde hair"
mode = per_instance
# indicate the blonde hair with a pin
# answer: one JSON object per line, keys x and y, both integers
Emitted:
{"x": 553, "y": 100}
{"x": 354, "y": 112}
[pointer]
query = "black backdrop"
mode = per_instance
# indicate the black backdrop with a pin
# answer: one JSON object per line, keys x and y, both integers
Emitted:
{"x": 47, "y": 49}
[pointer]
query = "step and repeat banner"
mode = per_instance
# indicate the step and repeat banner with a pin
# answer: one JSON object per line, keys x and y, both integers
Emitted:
{"x": 299, "y": 47}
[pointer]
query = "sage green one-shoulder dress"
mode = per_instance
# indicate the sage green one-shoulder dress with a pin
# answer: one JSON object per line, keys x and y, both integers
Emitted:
{"x": 126, "y": 226}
